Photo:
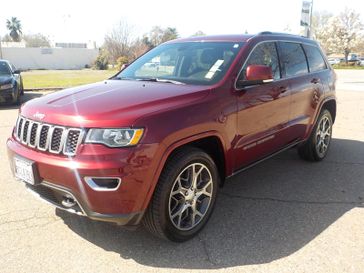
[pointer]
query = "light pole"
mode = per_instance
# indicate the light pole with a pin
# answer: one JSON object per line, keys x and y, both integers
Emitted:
{"x": 310, "y": 27}
{"x": 1, "y": 49}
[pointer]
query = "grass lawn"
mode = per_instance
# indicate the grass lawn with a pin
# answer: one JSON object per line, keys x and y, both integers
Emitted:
{"x": 63, "y": 78}
{"x": 343, "y": 66}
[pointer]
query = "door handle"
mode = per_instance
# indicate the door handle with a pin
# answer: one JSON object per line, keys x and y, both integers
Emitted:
{"x": 315, "y": 80}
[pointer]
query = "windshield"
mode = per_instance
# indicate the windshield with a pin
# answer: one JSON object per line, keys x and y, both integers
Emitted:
{"x": 4, "y": 69}
{"x": 201, "y": 63}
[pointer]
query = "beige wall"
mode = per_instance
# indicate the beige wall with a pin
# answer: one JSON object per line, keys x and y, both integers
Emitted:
{"x": 49, "y": 58}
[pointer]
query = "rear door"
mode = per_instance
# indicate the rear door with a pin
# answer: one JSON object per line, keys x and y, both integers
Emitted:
{"x": 303, "y": 87}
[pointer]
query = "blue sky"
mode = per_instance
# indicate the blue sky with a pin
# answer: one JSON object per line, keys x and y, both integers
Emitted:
{"x": 83, "y": 21}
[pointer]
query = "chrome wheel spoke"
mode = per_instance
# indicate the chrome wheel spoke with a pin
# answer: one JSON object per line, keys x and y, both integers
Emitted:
{"x": 190, "y": 196}
{"x": 204, "y": 190}
{"x": 323, "y": 135}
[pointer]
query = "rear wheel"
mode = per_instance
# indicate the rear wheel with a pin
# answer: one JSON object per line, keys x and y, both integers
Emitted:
{"x": 184, "y": 196}
{"x": 317, "y": 146}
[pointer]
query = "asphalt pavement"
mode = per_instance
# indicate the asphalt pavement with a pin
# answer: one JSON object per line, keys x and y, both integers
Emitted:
{"x": 284, "y": 215}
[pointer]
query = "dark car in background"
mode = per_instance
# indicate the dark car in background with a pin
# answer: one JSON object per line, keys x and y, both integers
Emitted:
{"x": 11, "y": 83}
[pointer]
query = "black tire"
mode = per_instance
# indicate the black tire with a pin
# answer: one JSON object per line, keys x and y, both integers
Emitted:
{"x": 21, "y": 88}
{"x": 309, "y": 150}
{"x": 157, "y": 218}
{"x": 16, "y": 99}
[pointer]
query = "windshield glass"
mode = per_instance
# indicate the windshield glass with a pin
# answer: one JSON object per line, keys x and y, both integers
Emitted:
{"x": 4, "y": 69}
{"x": 201, "y": 63}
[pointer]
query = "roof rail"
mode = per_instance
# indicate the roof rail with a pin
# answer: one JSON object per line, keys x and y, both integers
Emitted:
{"x": 279, "y": 33}
{"x": 265, "y": 33}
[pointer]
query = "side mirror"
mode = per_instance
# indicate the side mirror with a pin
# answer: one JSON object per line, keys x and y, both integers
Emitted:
{"x": 257, "y": 74}
{"x": 17, "y": 71}
{"x": 124, "y": 66}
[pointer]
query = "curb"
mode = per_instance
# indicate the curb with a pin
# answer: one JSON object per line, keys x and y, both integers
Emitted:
{"x": 43, "y": 89}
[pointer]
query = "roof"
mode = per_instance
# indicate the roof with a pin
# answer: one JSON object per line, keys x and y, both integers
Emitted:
{"x": 215, "y": 38}
{"x": 239, "y": 37}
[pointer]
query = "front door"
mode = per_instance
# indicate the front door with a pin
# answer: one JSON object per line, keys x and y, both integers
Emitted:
{"x": 263, "y": 110}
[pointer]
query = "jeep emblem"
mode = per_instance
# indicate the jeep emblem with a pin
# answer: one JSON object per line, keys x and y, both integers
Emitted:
{"x": 38, "y": 115}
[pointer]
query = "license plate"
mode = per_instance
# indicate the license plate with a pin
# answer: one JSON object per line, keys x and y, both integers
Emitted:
{"x": 24, "y": 170}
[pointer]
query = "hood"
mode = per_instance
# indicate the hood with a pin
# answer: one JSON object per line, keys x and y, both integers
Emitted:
{"x": 112, "y": 103}
{"x": 5, "y": 79}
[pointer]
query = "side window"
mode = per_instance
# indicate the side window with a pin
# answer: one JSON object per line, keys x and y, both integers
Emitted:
{"x": 293, "y": 59}
{"x": 264, "y": 54}
{"x": 315, "y": 60}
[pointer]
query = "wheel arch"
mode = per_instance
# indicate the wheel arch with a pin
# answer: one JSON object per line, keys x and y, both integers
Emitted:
{"x": 330, "y": 105}
{"x": 202, "y": 141}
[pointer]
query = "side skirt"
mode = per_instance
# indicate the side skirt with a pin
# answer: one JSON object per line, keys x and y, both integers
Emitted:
{"x": 265, "y": 158}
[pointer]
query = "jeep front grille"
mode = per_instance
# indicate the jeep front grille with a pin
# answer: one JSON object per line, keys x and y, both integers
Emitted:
{"x": 46, "y": 137}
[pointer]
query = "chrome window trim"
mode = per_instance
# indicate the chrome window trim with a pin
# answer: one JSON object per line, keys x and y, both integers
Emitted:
{"x": 283, "y": 78}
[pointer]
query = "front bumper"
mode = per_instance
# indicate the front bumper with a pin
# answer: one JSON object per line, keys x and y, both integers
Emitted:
{"x": 6, "y": 95}
{"x": 62, "y": 176}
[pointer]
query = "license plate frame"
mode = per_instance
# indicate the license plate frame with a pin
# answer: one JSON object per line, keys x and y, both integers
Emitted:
{"x": 25, "y": 170}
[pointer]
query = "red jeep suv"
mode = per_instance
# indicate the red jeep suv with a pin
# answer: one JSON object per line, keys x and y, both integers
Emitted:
{"x": 153, "y": 144}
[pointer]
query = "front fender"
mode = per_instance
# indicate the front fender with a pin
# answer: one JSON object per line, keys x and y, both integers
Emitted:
{"x": 165, "y": 151}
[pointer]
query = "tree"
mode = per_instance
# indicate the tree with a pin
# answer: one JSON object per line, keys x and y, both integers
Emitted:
{"x": 158, "y": 35}
{"x": 15, "y": 28}
{"x": 101, "y": 62}
{"x": 139, "y": 47}
{"x": 6, "y": 38}
{"x": 320, "y": 21}
{"x": 117, "y": 43}
{"x": 36, "y": 40}
{"x": 342, "y": 33}
{"x": 198, "y": 33}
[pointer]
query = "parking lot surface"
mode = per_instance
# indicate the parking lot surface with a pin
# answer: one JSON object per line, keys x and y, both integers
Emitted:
{"x": 284, "y": 215}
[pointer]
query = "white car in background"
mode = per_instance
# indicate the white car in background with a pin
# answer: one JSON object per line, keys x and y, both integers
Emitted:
{"x": 334, "y": 61}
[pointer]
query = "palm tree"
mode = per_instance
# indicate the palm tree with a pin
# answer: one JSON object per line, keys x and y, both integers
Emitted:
{"x": 14, "y": 26}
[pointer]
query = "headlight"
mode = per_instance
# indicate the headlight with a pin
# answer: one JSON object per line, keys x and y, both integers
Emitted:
{"x": 114, "y": 137}
{"x": 6, "y": 86}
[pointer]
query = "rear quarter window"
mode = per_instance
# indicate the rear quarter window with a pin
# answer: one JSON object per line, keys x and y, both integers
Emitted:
{"x": 315, "y": 60}
{"x": 293, "y": 59}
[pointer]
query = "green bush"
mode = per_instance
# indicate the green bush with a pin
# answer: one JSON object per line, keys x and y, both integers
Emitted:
{"x": 101, "y": 62}
{"x": 121, "y": 61}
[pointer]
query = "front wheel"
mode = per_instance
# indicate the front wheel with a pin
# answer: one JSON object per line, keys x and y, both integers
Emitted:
{"x": 16, "y": 97}
{"x": 184, "y": 196}
{"x": 317, "y": 146}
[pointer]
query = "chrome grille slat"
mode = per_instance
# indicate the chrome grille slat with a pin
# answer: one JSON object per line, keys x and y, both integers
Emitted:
{"x": 33, "y": 134}
{"x": 24, "y": 137}
{"x": 46, "y": 137}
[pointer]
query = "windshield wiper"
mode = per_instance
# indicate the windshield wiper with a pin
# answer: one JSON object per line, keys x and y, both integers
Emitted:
{"x": 122, "y": 78}
{"x": 159, "y": 80}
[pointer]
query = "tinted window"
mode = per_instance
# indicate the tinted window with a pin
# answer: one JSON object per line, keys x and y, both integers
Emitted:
{"x": 4, "y": 69}
{"x": 314, "y": 57}
{"x": 293, "y": 59}
{"x": 264, "y": 54}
